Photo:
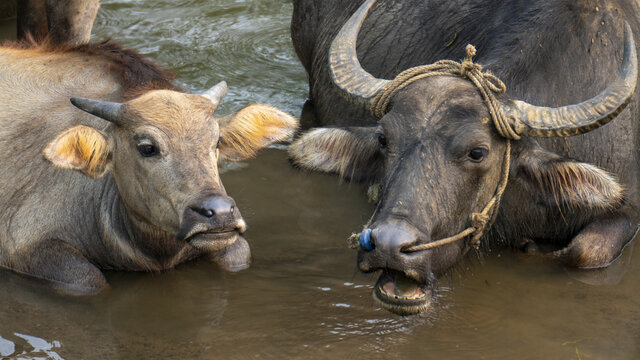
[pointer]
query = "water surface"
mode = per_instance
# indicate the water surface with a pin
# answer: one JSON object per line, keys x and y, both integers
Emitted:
{"x": 303, "y": 297}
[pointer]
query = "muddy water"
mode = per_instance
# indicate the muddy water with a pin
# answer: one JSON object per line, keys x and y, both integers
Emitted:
{"x": 303, "y": 297}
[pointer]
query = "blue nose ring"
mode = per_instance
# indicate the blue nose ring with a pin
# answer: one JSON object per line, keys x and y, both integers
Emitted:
{"x": 365, "y": 240}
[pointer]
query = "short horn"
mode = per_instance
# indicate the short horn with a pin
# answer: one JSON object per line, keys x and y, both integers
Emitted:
{"x": 216, "y": 93}
{"x": 107, "y": 110}
{"x": 537, "y": 121}
{"x": 358, "y": 86}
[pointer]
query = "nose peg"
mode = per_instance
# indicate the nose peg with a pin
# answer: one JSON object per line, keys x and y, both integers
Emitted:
{"x": 365, "y": 240}
{"x": 389, "y": 238}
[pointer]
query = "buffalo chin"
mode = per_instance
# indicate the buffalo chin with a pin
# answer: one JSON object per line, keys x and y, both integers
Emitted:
{"x": 213, "y": 241}
{"x": 401, "y": 295}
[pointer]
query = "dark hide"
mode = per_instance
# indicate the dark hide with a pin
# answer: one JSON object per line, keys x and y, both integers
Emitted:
{"x": 565, "y": 192}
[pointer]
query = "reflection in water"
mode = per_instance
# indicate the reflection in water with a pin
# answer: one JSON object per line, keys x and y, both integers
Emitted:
{"x": 303, "y": 297}
{"x": 6, "y": 347}
{"x": 165, "y": 315}
{"x": 34, "y": 348}
{"x": 610, "y": 275}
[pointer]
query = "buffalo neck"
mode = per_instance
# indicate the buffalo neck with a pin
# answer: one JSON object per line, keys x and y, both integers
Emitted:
{"x": 145, "y": 245}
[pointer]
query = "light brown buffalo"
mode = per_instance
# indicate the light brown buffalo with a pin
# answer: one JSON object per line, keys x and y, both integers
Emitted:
{"x": 145, "y": 194}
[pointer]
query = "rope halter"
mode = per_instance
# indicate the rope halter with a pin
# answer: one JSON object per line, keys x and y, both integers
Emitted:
{"x": 488, "y": 85}
{"x": 486, "y": 82}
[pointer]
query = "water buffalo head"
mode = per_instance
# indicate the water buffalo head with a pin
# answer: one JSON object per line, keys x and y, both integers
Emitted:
{"x": 162, "y": 149}
{"x": 438, "y": 158}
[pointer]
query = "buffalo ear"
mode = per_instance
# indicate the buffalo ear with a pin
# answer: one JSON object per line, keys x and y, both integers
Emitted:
{"x": 256, "y": 126}
{"x": 81, "y": 148}
{"x": 352, "y": 153}
{"x": 567, "y": 183}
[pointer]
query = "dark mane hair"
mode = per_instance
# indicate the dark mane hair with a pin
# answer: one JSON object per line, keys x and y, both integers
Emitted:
{"x": 138, "y": 73}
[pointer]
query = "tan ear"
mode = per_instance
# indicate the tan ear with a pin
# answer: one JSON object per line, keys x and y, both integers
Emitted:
{"x": 80, "y": 148}
{"x": 245, "y": 132}
{"x": 580, "y": 184}
{"x": 570, "y": 183}
{"x": 352, "y": 152}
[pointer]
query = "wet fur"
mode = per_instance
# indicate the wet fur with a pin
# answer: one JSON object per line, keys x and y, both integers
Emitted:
{"x": 137, "y": 74}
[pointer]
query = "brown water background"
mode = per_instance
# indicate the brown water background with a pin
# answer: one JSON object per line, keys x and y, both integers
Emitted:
{"x": 303, "y": 297}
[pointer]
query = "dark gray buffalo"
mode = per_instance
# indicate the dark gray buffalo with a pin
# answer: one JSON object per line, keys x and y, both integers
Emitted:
{"x": 145, "y": 194}
{"x": 458, "y": 161}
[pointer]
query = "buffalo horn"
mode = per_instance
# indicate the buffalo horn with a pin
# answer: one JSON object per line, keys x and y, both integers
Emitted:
{"x": 346, "y": 72}
{"x": 216, "y": 93}
{"x": 107, "y": 110}
{"x": 537, "y": 121}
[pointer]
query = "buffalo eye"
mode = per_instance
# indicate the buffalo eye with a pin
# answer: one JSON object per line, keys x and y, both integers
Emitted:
{"x": 147, "y": 150}
{"x": 478, "y": 154}
{"x": 382, "y": 140}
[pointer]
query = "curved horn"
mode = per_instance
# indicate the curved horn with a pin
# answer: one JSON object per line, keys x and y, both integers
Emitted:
{"x": 107, "y": 110}
{"x": 216, "y": 93}
{"x": 537, "y": 121}
{"x": 346, "y": 72}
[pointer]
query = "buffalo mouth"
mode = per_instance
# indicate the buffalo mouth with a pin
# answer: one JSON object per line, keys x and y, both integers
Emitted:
{"x": 400, "y": 294}
{"x": 212, "y": 240}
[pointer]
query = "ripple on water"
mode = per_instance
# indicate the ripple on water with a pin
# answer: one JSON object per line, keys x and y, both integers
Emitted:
{"x": 238, "y": 41}
{"x": 353, "y": 317}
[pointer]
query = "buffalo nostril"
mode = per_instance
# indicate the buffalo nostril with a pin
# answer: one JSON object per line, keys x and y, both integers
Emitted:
{"x": 208, "y": 213}
{"x": 215, "y": 207}
{"x": 365, "y": 240}
{"x": 204, "y": 212}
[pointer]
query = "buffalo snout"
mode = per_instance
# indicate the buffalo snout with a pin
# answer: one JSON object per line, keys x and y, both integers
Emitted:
{"x": 404, "y": 286}
{"x": 211, "y": 219}
{"x": 388, "y": 242}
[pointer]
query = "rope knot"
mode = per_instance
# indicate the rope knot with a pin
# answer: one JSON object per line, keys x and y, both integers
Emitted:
{"x": 471, "y": 51}
{"x": 467, "y": 65}
{"x": 479, "y": 221}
